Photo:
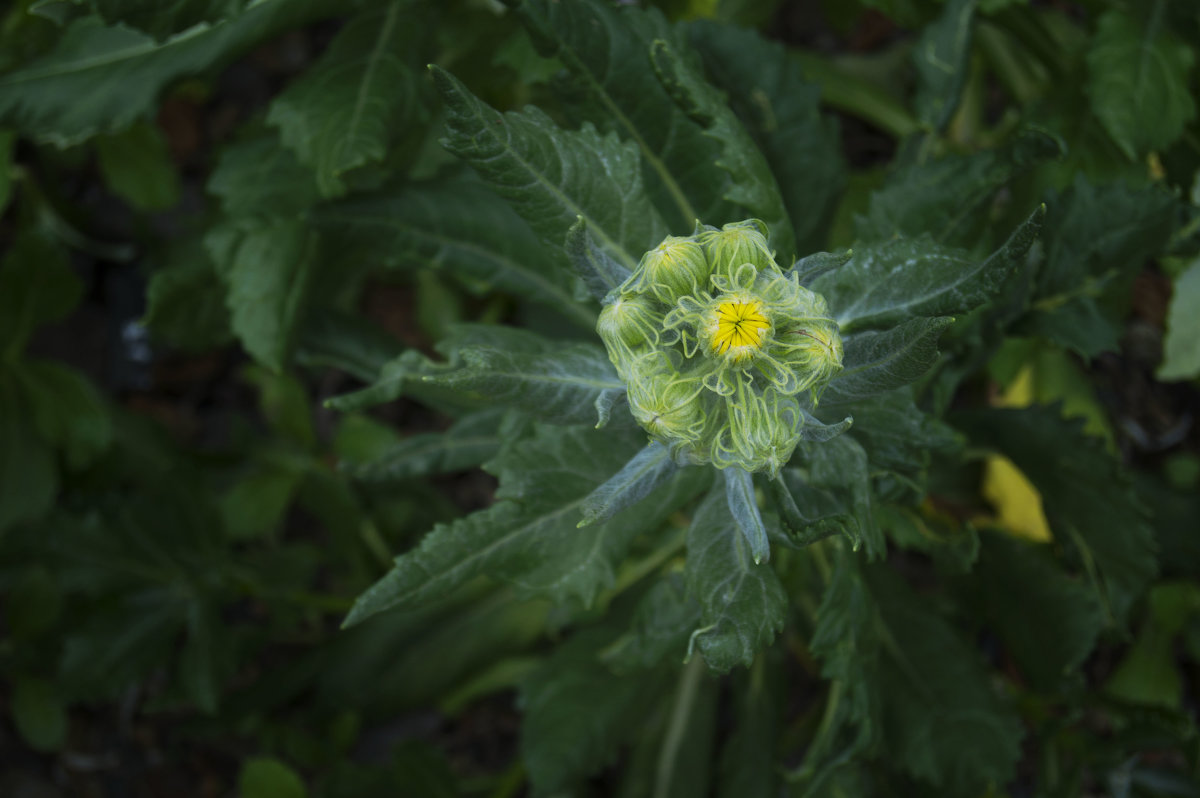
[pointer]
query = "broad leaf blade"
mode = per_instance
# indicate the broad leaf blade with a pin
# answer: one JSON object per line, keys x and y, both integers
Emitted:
{"x": 742, "y": 604}
{"x": 599, "y": 272}
{"x": 877, "y": 362}
{"x": 552, "y": 177}
{"x": 644, "y": 472}
{"x": 942, "y": 58}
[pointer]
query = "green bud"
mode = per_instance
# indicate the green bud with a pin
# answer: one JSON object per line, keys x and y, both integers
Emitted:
{"x": 666, "y": 405}
{"x": 812, "y": 348}
{"x": 631, "y": 320}
{"x": 674, "y": 268}
{"x": 738, "y": 243}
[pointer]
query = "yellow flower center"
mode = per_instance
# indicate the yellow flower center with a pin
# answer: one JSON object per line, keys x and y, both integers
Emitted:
{"x": 739, "y": 325}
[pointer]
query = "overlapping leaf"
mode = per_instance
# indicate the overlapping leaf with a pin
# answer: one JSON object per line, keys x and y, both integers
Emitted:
{"x": 877, "y": 362}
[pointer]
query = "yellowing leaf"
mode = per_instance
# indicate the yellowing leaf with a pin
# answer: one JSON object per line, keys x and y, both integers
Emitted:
{"x": 1018, "y": 503}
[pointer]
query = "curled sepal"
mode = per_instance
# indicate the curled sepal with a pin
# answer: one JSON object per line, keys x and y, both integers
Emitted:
{"x": 739, "y": 492}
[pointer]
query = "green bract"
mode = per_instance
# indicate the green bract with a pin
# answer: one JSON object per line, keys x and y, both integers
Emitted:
{"x": 719, "y": 347}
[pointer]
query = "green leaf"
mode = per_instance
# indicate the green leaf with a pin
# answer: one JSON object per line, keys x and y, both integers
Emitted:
{"x": 839, "y": 468}
{"x": 1139, "y": 80}
{"x": 198, "y": 670}
{"x": 403, "y": 376}
{"x": 644, "y": 472}
{"x": 1150, "y": 671}
{"x": 39, "y": 713}
{"x": 742, "y": 605}
{"x": 810, "y": 267}
{"x": 267, "y": 777}
{"x": 951, "y": 198}
{"x": 896, "y": 435}
{"x": 599, "y": 272}
{"x": 752, "y": 185}
{"x": 284, "y": 403}
{"x": 186, "y": 300}
{"x": 884, "y": 284}
{"x": 780, "y": 109}
{"x": 942, "y": 58}
{"x": 456, "y": 225}
{"x": 100, "y": 79}
{"x": 559, "y": 386}
{"x": 336, "y": 339}
{"x": 739, "y": 494}
{"x": 344, "y": 110}
{"x": 877, "y": 362}
{"x": 747, "y": 765}
{"x": 37, "y": 286}
{"x": 8, "y": 140}
{"x": 469, "y": 442}
{"x": 529, "y": 537}
{"x": 33, "y": 604}
{"x": 1096, "y": 242}
{"x": 942, "y": 720}
{"x": 604, "y": 48}
{"x": 268, "y": 272}
{"x": 136, "y": 164}
{"x": 254, "y": 507}
{"x": 1090, "y": 507}
{"x": 257, "y": 177}
{"x": 1047, "y": 620}
{"x": 68, "y": 411}
{"x": 685, "y": 757}
{"x": 576, "y": 712}
{"x": 1181, "y": 350}
{"x": 28, "y": 476}
{"x": 162, "y": 21}
{"x": 664, "y": 619}
{"x": 552, "y": 177}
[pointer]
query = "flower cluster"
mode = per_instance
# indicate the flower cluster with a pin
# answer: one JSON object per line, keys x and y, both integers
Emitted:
{"x": 718, "y": 347}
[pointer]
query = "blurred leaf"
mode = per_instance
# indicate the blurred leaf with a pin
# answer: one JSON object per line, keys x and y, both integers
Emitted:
{"x": 336, "y": 339}
{"x": 254, "y": 507}
{"x": 839, "y": 468}
{"x": 37, "y": 286}
{"x": 887, "y": 283}
{"x": 285, "y": 404}
{"x": 552, "y": 177}
{"x": 877, "y": 362}
{"x": 604, "y": 49}
{"x": 186, "y": 300}
{"x": 529, "y": 537}
{"x": 39, "y": 713}
{"x": 1047, "y": 620}
{"x": 747, "y": 763}
{"x": 28, "y": 477}
{"x": 459, "y": 226}
{"x": 780, "y": 109}
{"x": 664, "y": 619}
{"x": 266, "y": 777}
{"x": 256, "y": 177}
{"x": 100, "y": 79}
{"x": 1181, "y": 350}
{"x": 742, "y": 605}
{"x": 68, "y": 411}
{"x": 162, "y": 21}
{"x": 345, "y": 109}
{"x": 1017, "y": 501}
{"x": 136, "y": 164}
{"x": 472, "y": 440}
{"x": 942, "y": 58}
{"x": 268, "y": 272}
{"x": 1087, "y": 501}
{"x": 33, "y": 604}
{"x": 684, "y": 764}
{"x": 1150, "y": 671}
{"x": 8, "y": 141}
{"x": 1138, "y": 80}
{"x": 752, "y": 184}
{"x": 198, "y": 667}
{"x": 897, "y": 436}
{"x": 942, "y": 720}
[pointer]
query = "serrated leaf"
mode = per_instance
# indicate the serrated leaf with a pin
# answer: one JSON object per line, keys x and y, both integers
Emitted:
{"x": 877, "y": 362}
{"x": 822, "y": 515}
{"x": 950, "y": 199}
{"x": 752, "y": 185}
{"x": 455, "y": 225}
{"x": 1090, "y": 507}
{"x": 604, "y": 48}
{"x": 1139, "y": 80}
{"x": 268, "y": 273}
{"x": 68, "y": 411}
{"x": 37, "y": 286}
{"x": 576, "y": 712}
{"x": 529, "y": 537}
{"x": 839, "y": 468}
{"x": 136, "y": 164}
{"x": 644, "y": 472}
{"x": 28, "y": 477}
{"x": 469, "y": 442}
{"x": 884, "y": 284}
{"x": 186, "y": 300}
{"x": 742, "y": 605}
{"x": 1050, "y": 624}
{"x": 896, "y": 435}
{"x": 1181, "y": 349}
{"x": 1096, "y": 242}
{"x": 552, "y": 177}
{"x": 162, "y": 21}
{"x": 942, "y": 720}
{"x": 559, "y": 386}
{"x": 942, "y": 57}
{"x": 780, "y": 109}
{"x": 345, "y": 109}
{"x": 743, "y": 507}
{"x": 100, "y": 79}
{"x": 599, "y": 272}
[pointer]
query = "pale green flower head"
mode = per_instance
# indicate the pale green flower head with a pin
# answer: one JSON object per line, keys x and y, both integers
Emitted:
{"x": 720, "y": 349}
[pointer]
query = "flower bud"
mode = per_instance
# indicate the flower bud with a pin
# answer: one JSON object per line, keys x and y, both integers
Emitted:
{"x": 812, "y": 348}
{"x": 674, "y": 268}
{"x": 666, "y": 406}
{"x": 631, "y": 320}
{"x": 738, "y": 243}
